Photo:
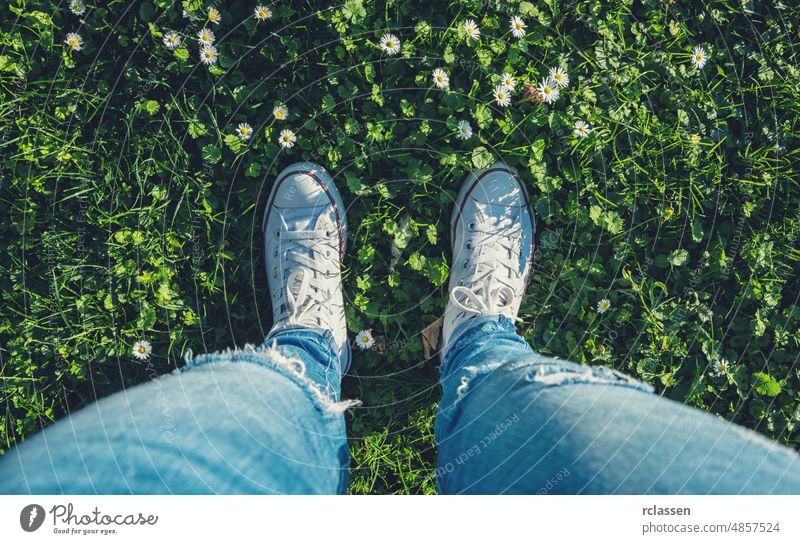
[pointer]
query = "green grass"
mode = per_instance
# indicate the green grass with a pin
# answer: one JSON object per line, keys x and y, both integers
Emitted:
{"x": 131, "y": 210}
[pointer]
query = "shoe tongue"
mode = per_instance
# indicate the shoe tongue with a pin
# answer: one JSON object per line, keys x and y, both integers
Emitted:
{"x": 499, "y": 218}
{"x": 296, "y": 219}
{"x": 305, "y": 219}
{"x": 294, "y": 288}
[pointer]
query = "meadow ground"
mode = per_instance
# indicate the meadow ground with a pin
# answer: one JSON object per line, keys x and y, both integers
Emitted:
{"x": 664, "y": 176}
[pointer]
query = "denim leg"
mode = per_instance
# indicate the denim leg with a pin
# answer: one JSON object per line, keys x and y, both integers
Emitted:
{"x": 258, "y": 420}
{"x": 512, "y": 421}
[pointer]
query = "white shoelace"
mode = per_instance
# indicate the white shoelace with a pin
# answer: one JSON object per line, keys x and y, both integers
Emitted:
{"x": 496, "y": 243}
{"x": 303, "y": 294}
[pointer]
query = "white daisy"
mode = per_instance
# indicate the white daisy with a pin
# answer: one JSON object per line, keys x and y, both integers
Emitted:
{"x": 364, "y": 339}
{"x": 208, "y": 54}
{"x": 464, "y": 130}
{"x": 582, "y": 129}
{"x": 548, "y": 90}
{"x": 518, "y": 27}
{"x": 559, "y": 75}
{"x": 699, "y": 57}
{"x": 262, "y": 13}
{"x": 603, "y": 306}
{"x": 280, "y": 112}
{"x": 74, "y": 41}
{"x": 390, "y": 44}
{"x": 77, "y": 7}
{"x": 172, "y": 40}
{"x": 472, "y": 30}
{"x": 501, "y": 96}
{"x": 214, "y": 16}
{"x": 206, "y": 37}
{"x": 287, "y": 138}
{"x": 721, "y": 366}
{"x": 244, "y": 131}
{"x": 441, "y": 79}
{"x": 695, "y": 139}
{"x": 508, "y": 81}
{"x": 142, "y": 349}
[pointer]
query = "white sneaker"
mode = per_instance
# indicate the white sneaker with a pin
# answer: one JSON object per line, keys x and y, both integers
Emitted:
{"x": 305, "y": 232}
{"x": 492, "y": 236}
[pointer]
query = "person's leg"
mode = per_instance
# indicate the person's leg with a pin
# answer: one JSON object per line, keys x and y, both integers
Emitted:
{"x": 252, "y": 421}
{"x": 511, "y": 421}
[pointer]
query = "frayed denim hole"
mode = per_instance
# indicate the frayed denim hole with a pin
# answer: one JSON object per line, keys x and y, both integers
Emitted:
{"x": 566, "y": 373}
{"x": 272, "y": 358}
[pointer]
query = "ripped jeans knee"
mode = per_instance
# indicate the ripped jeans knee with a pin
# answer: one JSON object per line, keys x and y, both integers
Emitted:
{"x": 278, "y": 359}
{"x": 555, "y": 372}
{"x": 528, "y": 374}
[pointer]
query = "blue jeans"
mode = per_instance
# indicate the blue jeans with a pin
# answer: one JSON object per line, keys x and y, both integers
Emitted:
{"x": 270, "y": 420}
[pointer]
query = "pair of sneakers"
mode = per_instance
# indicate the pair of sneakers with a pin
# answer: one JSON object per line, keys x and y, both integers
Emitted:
{"x": 305, "y": 235}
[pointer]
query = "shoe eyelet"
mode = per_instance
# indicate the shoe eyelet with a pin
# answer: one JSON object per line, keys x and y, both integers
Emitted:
{"x": 468, "y": 245}
{"x": 275, "y": 272}
{"x": 471, "y": 225}
{"x": 278, "y": 234}
{"x": 328, "y": 233}
{"x": 464, "y": 265}
{"x": 275, "y": 253}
